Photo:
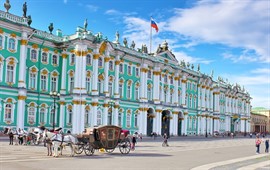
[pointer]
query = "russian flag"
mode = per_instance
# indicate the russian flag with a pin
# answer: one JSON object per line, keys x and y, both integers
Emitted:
{"x": 154, "y": 24}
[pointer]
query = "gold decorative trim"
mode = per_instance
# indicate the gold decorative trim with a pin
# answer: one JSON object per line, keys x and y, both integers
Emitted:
{"x": 116, "y": 106}
{"x": 55, "y": 52}
{"x": 176, "y": 78}
{"x": 184, "y": 81}
{"x": 62, "y": 103}
{"x": 158, "y": 110}
{"x": 96, "y": 56}
{"x": 1, "y": 31}
{"x": 216, "y": 93}
{"x": 199, "y": 85}
{"x": 105, "y": 105}
{"x": 156, "y": 73}
{"x": 203, "y": 86}
{"x": 22, "y": 97}
{"x": 21, "y": 81}
{"x": 144, "y": 70}
{"x": 35, "y": 46}
{"x": 45, "y": 50}
{"x": 207, "y": 87}
{"x": 64, "y": 56}
{"x": 13, "y": 35}
{"x": 94, "y": 103}
{"x": 107, "y": 59}
{"x": 175, "y": 112}
{"x": 24, "y": 42}
{"x": 185, "y": 113}
{"x": 117, "y": 62}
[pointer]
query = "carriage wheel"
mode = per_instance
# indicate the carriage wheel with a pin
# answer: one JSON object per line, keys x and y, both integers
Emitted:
{"x": 109, "y": 150}
{"x": 88, "y": 150}
{"x": 124, "y": 147}
{"x": 79, "y": 150}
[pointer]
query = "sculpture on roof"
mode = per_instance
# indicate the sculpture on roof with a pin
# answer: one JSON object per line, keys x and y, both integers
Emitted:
{"x": 144, "y": 49}
{"x": 117, "y": 37}
{"x": 132, "y": 46}
{"x": 125, "y": 42}
{"x": 7, "y": 5}
{"x": 50, "y": 27}
{"x": 24, "y": 9}
{"x": 198, "y": 68}
{"x": 85, "y": 24}
{"x": 29, "y": 20}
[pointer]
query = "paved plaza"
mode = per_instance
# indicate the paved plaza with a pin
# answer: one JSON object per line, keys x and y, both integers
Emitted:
{"x": 184, "y": 153}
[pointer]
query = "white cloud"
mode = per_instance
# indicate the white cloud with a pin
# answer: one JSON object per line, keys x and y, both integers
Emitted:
{"x": 263, "y": 71}
{"x": 235, "y": 23}
{"x": 92, "y": 8}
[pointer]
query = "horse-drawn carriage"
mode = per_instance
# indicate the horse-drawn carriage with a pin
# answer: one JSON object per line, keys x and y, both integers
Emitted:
{"x": 103, "y": 137}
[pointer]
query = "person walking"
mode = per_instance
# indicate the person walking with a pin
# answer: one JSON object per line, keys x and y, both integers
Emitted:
{"x": 258, "y": 143}
{"x": 165, "y": 140}
{"x": 133, "y": 142}
{"x": 20, "y": 136}
{"x": 266, "y": 145}
{"x": 11, "y": 136}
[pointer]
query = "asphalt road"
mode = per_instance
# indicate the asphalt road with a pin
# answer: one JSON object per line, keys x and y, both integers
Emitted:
{"x": 183, "y": 153}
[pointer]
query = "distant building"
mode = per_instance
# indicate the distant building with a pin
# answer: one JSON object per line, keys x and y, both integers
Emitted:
{"x": 107, "y": 82}
{"x": 262, "y": 119}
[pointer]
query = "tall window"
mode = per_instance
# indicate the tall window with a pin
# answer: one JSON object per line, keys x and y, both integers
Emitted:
{"x": 10, "y": 74}
{"x": 100, "y": 89}
{"x": 171, "y": 96}
{"x": 137, "y": 93}
{"x": 53, "y": 83}
{"x": 128, "y": 91}
{"x": 33, "y": 55}
{"x": 111, "y": 65}
{"x": 1, "y": 42}
{"x": 86, "y": 118}
{"x": 54, "y": 60}
{"x": 8, "y": 112}
{"x": 99, "y": 118}
{"x": 195, "y": 101}
{"x": 121, "y": 90}
{"x": 128, "y": 120}
{"x": 149, "y": 93}
{"x": 149, "y": 74}
{"x": 71, "y": 83}
{"x": 137, "y": 72}
{"x": 1, "y": 70}
{"x": 44, "y": 58}
{"x": 119, "y": 119}
{"x": 72, "y": 59}
{"x": 69, "y": 120}
{"x": 110, "y": 117}
{"x": 11, "y": 44}
{"x": 51, "y": 115}
{"x": 129, "y": 70}
{"x": 31, "y": 115}
{"x": 190, "y": 101}
{"x": 121, "y": 68}
{"x": 43, "y": 83}
{"x": 88, "y": 59}
{"x": 32, "y": 80}
{"x": 135, "y": 120}
{"x": 110, "y": 89}
{"x": 165, "y": 78}
{"x": 100, "y": 62}
{"x": 171, "y": 80}
{"x": 42, "y": 116}
{"x": 88, "y": 81}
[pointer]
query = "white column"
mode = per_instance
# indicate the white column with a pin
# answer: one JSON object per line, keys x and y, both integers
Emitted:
{"x": 22, "y": 62}
{"x": 199, "y": 100}
{"x": 83, "y": 72}
{"x": 94, "y": 112}
{"x": 184, "y": 81}
{"x": 203, "y": 97}
{"x": 106, "y": 74}
{"x": 158, "y": 119}
{"x": 175, "y": 96}
{"x": 75, "y": 118}
{"x": 185, "y": 122}
{"x": 64, "y": 74}
{"x": 95, "y": 74}
{"x": 199, "y": 125}
{"x": 144, "y": 117}
{"x": 211, "y": 125}
{"x": 212, "y": 100}
{"x": 162, "y": 89}
{"x": 62, "y": 114}
{"x": 81, "y": 116}
{"x": 106, "y": 112}
{"x": 142, "y": 81}
{"x": 21, "y": 111}
{"x": 116, "y": 78}
{"x": 156, "y": 93}
{"x": 203, "y": 125}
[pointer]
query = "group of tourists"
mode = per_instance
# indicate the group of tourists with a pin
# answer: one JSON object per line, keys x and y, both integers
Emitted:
{"x": 259, "y": 141}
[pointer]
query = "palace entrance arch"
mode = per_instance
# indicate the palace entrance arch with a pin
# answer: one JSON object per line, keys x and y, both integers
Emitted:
{"x": 165, "y": 122}
{"x": 180, "y": 122}
{"x": 150, "y": 117}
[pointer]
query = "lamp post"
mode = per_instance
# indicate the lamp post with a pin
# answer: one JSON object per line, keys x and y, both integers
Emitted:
{"x": 206, "y": 126}
{"x": 55, "y": 95}
{"x": 111, "y": 103}
{"x": 245, "y": 133}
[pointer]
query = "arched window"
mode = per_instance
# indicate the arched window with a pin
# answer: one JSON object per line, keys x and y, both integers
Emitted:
{"x": 121, "y": 68}
{"x": 71, "y": 83}
{"x": 135, "y": 120}
{"x": 110, "y": 88}
{"x": 119, "y": 119}
{"x": 32, "y": 78}
{"x": 8, "y": 112}
{"x": 1, "y": 42}
{"x": 165, "y": 95}
{"x": 42, "y": 116}
{"x": 110, "y": 116}
{"x": 88, "y": 84}
{"x": 111, "y": 65}
{"x": 121, "y": 90}
{"x": 10, "y": 74}
{"x": 51, "y": 115}
{"x": 11, "y": 44}
{"x": 53, "y": 83}
{"x": 128, "y": 91}
{"x": 128, "y": 120}
{"x": 33, "y": 55}
{"x": 149, "y": 93}
{"x": 190, "y": 101}
{"x": 43, "y": 82}
{"x": 72, "y": 59}
{"x": 129, "y": 70}
{"x": 88, "y": 59}
{"x": 137, "y": 93}
{"x": 100, "y": 63}
{"x": 31, "y": 115}
{"x": 44, "y": 58}
{"x": 86, "y": 118}
{"x": 165, "y": 78}
{"x": 195, "y": 101}
{"x": 54, "y": 60}
{"x": 149, "y": 74}
{"x": 69, "y": 118}
{"x": 99, "y": 118}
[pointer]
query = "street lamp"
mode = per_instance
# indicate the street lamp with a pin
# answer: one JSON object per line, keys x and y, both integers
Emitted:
{"x": 245, "y": 133}
{"x": 206, "y": 127}
{"x": 111, "y": 103}
{"x": 55, "y": 96}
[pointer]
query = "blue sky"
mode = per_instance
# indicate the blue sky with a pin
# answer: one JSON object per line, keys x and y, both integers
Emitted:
{"x": 231, "y": 37}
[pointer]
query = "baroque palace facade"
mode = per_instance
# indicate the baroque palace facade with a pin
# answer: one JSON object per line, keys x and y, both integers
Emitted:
{"x": 106, "y": 82}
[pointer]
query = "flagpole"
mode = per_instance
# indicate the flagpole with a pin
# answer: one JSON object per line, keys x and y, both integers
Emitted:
{"x": 150, "y": 34}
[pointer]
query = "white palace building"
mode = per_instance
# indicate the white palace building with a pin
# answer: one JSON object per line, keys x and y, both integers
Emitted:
{"x": 81, "y": 80}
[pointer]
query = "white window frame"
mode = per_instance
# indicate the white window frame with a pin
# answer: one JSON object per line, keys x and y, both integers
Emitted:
{"x": 111, "y": 65}
{"x": 121, "y": 90}
{"x": 55, "y": 57}
{"x": 33, "y": 55}
{"x": 129, "y": 70}
{"x": 44, "y": 56}
{"x": 55, "y": 78}
{"x": 12, "y": 78}
{"x": 137, "y": 72}
{"x": 32, "y": 80}
{"x": 135, "y": 120}
{"x": 121, "y": 68}
{"x": 31, "y": 116}
{"x": 88, "y": 59}
{"x": 43, "y": 82}
{"x": 86, "y": 118}
{"x": 137, "y": 93}
{"x": 69, "y": 116}
{"x": 128, "y": 120}
{"x": 99, "y": 118}
{"x": 45, "y": 115}
{"x": 1, "y": 69}
{"x": 2, "y": 39}
{"x": 120, "y": 119}
{"x": 129, "y": 92}
{"x": 88, "y": 84}
{"x": 11, "y": 112}
{"x": 72, "y": 59}
{"x": 100, "y": 62}
{"x": 12, "y": 48}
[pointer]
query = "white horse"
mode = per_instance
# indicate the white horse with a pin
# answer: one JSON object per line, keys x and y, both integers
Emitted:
{"x": 13, "y": 133}
{"x": 59, "y": 140}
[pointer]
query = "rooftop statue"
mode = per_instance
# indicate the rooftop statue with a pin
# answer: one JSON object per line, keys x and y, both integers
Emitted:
{"x": 125, "y": 42}
{"x": 198, "y": 67}
{"x": 24, "y": 9}
{"x": 117, "y": 37}
{"x": 85, "y": 24}
{"x": 29, "y": 20}
{"x": 132, "y": 46}
{"x": 51, "y": 27}
{"x": 7, "y": 5}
